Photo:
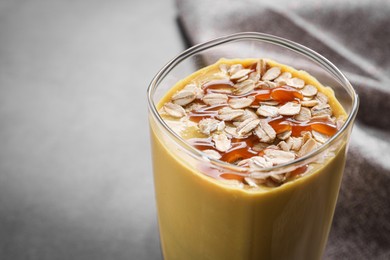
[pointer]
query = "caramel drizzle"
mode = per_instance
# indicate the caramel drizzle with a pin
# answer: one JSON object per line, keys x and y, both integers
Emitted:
{"x": 242, "y": 148}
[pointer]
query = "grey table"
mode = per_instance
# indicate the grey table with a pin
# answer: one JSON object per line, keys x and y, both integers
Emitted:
{"x": 75, "y": 172}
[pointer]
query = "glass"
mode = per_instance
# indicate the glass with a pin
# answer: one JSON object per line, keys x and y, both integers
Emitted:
{"x": 202, "y": 218}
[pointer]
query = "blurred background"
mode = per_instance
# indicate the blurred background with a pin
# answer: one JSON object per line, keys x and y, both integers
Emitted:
{"x": 75, "y": 168}
{"x": 75, "y": 172}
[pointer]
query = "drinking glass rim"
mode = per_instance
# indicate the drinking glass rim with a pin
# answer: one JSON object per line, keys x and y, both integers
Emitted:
{"x": 296, "y": 47}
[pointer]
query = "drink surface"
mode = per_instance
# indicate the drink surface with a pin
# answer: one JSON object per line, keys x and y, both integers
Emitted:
{"x": 208, "y": 213}
{"x": 254, "y": 114}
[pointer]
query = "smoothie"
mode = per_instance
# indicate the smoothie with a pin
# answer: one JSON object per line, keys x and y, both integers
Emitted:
{"x": 265, "y": 120}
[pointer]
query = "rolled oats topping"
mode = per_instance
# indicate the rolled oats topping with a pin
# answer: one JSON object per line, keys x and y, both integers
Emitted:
{"x": 289, "y": 109}
{"x": 244, "y": 87}
{"x": 267, "y": 111}
{"x": 284, "y": 135}
{"x": 240, "y": 74}
{"x": 309, "y": 91}
{"x": 271, "y": 74}
{"x": 241, "y": 102}
{"x": 322, "y": 98}
{"x": 303, "y": 115}
{"x": 212, "y": 154}
{"x": 295, "y": 82}
{"x": 321, "y": 138}
{"x": 194, "y": 89}
{"x": 215, "y": 98}
{"x": 248, "y": 113}
{"x": 222, "y": 142}
{"x": 309, "y": 103}
{"x": 278, "y": 156}
{"x": 232, "y": 132}
{"x": 229, "y": 114}
{"x": 174, "y": 110}
{"x": 208, "y": 125}
{"x": 183, "y": 97}
{"x": 247, "y": 126}
{"x": 255, "y": 116}
{"x": 268, "y": 130}
{"x": 307, "y": 147}
{"x": 283, "y": 78}
{"x": 321, "y": 110}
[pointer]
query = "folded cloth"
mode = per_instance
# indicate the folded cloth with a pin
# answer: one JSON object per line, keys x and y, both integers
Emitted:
{"x": 354, "y": 35}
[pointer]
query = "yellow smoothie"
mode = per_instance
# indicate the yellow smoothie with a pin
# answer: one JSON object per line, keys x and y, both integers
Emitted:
{"x": 201, "y": 217}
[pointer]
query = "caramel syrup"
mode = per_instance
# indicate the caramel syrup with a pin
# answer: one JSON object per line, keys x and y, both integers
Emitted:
{"x": 285, "y": 94}
{"x": 217, "y": 84}
{"x": 205, "y": 112}
{"x": 243, "y": 148}
{"x": 284, "y": 123}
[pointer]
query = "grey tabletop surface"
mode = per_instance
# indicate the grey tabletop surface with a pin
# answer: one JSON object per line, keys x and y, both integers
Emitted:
{"x": 75, "y": 172}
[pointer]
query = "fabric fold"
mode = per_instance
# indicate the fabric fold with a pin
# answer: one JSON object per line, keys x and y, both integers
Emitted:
{"x": 355, "y": 36}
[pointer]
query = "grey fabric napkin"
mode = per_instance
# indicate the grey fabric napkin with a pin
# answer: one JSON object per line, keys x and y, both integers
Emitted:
{"x": 354, "y": 35}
